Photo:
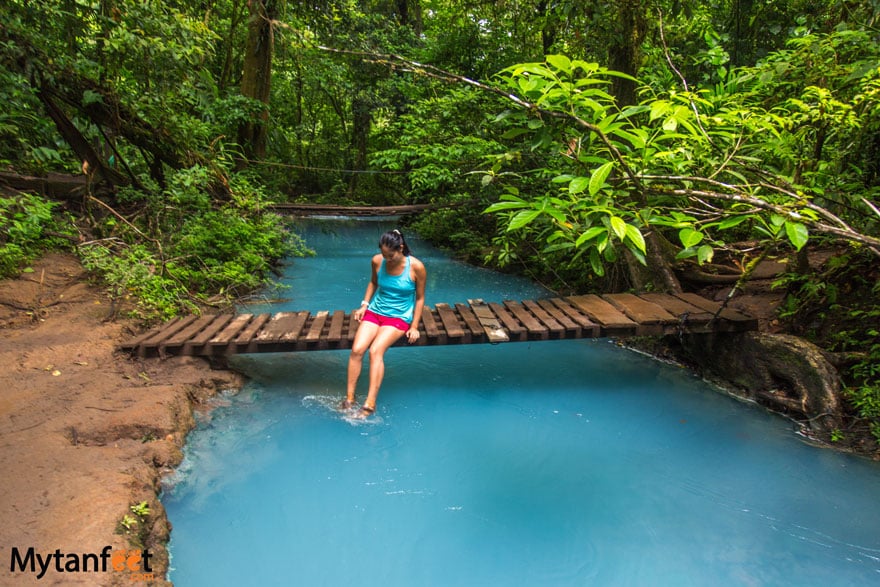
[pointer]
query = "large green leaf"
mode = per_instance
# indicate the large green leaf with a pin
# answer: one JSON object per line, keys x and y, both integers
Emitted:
{"x": 578, "y": 184}
{"x": 618, "y": 225}
{"x": 596, "y": 263}
{"x": 590, "y": 234}
{"x": 689, "y": 237}
{"x": 635, "y": 237}
{"x": 597, "y": 179}
{"x": 560, "y": 62}
{"x": 797, "y": 234}
{"x": 522, "y": 219}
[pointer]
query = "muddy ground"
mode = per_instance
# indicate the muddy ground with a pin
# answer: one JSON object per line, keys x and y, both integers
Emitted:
{"x": 85, "y": 432}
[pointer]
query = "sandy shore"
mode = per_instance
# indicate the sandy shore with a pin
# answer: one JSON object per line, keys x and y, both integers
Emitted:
{"x": 85, "y": 434}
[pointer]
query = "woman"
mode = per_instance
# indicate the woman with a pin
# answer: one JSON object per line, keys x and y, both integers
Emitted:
{"x": 392, "y": 308}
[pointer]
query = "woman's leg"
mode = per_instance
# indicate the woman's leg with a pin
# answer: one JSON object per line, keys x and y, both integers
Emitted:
{"x": 363, "y": 338}
{"x": 386, "y": 337}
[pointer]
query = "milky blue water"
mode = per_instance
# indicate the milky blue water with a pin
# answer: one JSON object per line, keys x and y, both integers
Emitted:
{"x": 562, "y": 463}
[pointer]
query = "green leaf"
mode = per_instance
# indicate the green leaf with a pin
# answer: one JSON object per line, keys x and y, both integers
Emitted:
{"x": 596, "y": 263}
{"x": 705, "y": 254}
{"x": 578, "y": 184}
{"x": 731, "y": 222}
{"x": 560, "y": 62}
{"x": 797, "y": 234}
{"x": 640, "y": 257}
{"x": 689, "y": 237}
{"x": 522, "y": 219}
{"x": 686, "y": 253}
{"x": 635, "y": 237}
{"x": 618, "y": 225}
{"x": 590, "y": 234}
{"x": 498, "y": 206}
{"x": 597, "y": 180}
{"x": 513, "y": 133}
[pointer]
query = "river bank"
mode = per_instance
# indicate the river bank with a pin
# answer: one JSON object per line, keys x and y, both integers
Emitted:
{"x": 85, "y": 433}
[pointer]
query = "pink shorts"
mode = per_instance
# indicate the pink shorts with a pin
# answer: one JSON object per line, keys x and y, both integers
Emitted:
{"x": 385, "y": 321}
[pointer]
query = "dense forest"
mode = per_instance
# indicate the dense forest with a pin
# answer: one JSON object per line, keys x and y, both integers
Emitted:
{"x": 596, "y": 146}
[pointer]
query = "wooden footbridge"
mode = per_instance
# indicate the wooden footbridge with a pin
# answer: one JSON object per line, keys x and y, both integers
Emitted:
{"x": 583, "y": 316}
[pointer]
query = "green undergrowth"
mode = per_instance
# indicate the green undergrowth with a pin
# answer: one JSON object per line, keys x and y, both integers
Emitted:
{"x": 160, "y": 253}
{"x": 214, "y": 259}
{"x": 838, "y": 308}
{"x": 29, "y": 226}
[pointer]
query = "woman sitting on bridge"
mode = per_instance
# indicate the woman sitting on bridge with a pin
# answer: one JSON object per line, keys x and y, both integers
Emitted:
{"x": 392, "y": 308}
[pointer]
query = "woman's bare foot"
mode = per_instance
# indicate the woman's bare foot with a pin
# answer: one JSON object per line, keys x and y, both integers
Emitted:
{"x": 365, "y": 412}
{"x": 347, "y": 404}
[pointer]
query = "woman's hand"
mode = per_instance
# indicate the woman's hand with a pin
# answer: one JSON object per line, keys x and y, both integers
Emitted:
{"x": 412, "y": 335}
{"x": 358, "y": 314}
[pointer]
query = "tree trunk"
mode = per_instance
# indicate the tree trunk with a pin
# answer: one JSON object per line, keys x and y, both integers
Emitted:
{"x": 410, "y": 14}
{"x": 360, "y": 130}
{"x": 257, "y": 78}
{"x": 625, "y": 49}
{"x": 549, "y": 29}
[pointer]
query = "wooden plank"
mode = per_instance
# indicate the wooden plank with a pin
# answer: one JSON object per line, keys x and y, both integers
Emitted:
{"x": 334, "y": 333}
{"x": 745, "y": 322}
{"x": 612, "y": 321}
{"x": 490, "y": 323}
{"x": 185, "y": 334}
{"x": 650, "y": 317}
{"x": 351, "y": 328}
{"x": 135, "y": 342}
{"x": 168, "y": 331}
{"x": 450, "y": 321}
{"x": 639, "y": 310}
{"x": 231, "y": 330}
{"x": 533, "y": 326}
{"x": 283, "y": 327}
{"x": 552, "y": 324}
{"x": 314, "y": 333}
{"x": 220, "y": 321}
{"x": 432, "y": 329}
{"x": 572, "y": 328}
{"x": 670, "y": 303}
{"x": 684, "y": 311}
{"x": 250, "y": 332}
{"x": 471, "y": 322}
{"x": 515, "y": 330}
{"x": 589, "y": 329}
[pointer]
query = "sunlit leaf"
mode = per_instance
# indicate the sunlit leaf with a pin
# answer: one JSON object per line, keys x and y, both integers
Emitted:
{"x": 797, "y": 234}
{"x": 560, "y": 62}
{"x": 590, "y": 234}
{"x": 522, "y": 218}
{"x": 578, "y": 185}
{"x": 618, "y": 225}
{"x": 689, "y": 237}
{"x": 597, "y": 180}
{"x": 635, "y": 237}
{"x": 705, "y": 254}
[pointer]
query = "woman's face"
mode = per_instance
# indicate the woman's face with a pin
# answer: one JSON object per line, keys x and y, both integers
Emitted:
{"x": 391, "y": 255}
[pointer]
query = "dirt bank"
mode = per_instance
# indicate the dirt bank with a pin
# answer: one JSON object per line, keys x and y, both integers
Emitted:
{"x": 85, "y": 433}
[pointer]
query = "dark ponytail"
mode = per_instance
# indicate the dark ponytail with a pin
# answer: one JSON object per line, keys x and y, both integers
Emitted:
{"x": 393, "y": 239}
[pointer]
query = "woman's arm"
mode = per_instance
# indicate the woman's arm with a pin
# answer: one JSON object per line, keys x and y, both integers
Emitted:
{"x": 420, "y": 276}
{"x": 358, "y": 314}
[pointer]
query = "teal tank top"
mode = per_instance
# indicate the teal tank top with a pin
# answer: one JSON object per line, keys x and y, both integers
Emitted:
{"x": 396, "y": 294}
